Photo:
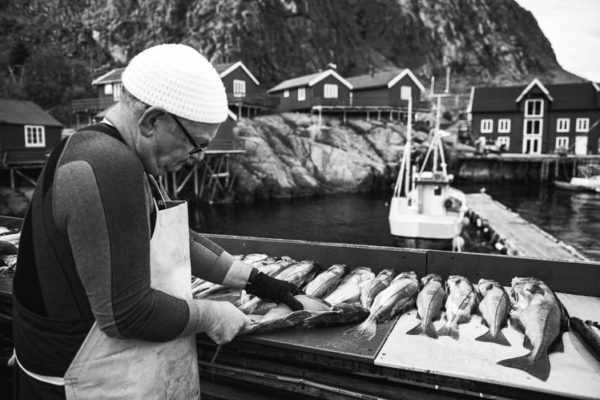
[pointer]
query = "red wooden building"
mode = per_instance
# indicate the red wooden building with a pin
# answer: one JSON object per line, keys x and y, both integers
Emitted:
{"x": 304, "y": 93}
{"x": 244, "y": 94}
{"x": 387, "y": 91}
{"x": 27, "y": 135}
{"x": 538, "y": 118}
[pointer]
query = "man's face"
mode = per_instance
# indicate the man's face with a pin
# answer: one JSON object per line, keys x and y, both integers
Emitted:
{"x": 173, "y": 146}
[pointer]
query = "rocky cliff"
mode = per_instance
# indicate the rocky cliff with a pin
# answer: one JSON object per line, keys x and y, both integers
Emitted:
{"x": 291, "y": 155}
{"x": 68, "y": 42}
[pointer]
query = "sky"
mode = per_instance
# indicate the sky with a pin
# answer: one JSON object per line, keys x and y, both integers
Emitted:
{"x": 573, "y": 29}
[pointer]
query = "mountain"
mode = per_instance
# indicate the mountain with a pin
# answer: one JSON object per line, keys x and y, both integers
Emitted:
{"x": 72, "y": 41}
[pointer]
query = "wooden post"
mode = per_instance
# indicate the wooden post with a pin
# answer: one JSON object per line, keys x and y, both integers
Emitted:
{"x": 196, "y": 179}
{"x": 12, "y": 178}
{"x": 378, "y": 115}
{"x": 368, "y": 116}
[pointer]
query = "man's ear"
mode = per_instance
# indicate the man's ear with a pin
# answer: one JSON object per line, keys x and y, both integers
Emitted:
{"x": 149, "y": 119}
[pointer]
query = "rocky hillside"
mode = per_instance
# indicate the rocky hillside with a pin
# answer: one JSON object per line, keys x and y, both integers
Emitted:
{"x": 68, "y": 42}
{"x": 290, "y": 155}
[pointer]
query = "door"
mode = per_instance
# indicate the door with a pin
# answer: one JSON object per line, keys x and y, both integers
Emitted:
{"x": 532, "y": 136}
{"x": 581, "y": 143}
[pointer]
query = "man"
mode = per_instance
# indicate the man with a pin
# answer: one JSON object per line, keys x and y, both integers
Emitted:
{"x": 102, "y": 297}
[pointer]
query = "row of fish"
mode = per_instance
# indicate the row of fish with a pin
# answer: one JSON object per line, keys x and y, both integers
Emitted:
{"x": 343, "y": 295}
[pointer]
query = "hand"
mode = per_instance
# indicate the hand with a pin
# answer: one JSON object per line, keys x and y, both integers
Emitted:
{"x": 222, "y": 321}
{"x": 268, "y": 288}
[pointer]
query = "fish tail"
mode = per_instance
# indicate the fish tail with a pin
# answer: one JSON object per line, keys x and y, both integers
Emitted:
{"x": 498, "y": 339}
{"x": 368, "y": 329}
{"x": 539, "y": 367}
{"x": 428, "y": 330}
{"x": 449, "y": 330}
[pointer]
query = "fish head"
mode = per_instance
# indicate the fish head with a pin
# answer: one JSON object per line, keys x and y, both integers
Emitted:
{"x": 523, "y": 290}
{"x": 485, "y": 285}
{"x": 411, "y": 275}
{"x": 431, "y": 277}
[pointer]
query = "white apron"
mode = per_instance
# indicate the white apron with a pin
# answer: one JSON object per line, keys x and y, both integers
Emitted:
{"x": 112, "y": 368}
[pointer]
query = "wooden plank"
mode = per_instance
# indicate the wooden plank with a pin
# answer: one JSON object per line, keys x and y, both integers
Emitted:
{"x": 327, "y": 254}
{"x": 574, "y": 373}
{"x": 563, "y": 276}
{"x": 522, "y": 237}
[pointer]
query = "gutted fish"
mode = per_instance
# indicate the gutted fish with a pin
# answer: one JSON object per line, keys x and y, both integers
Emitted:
{"x": 539, "y": 314}
{"x": 316, "y": 312}
{"x": 461, "y": 302}
{"x": 393, "y": 300}
{"x": 429, "y": 305}
{"x": 326, "y": 281}
{"x": 349, "y": 289}
{"x": 494, "y": 307}
{"x": 373, "y": 287}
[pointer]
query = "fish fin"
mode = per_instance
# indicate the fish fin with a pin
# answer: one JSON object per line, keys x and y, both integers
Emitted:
{"x": 417, "y": 330}
{"x": 557, "y": 346}
{"x": 368, "y": 329}
{"x": 451, "y": 331}
{"x": 498, "y": 339}
{"x": 527, "y": 343}
{"x": 540, "y": 367}
{"x": 429, "y": 330}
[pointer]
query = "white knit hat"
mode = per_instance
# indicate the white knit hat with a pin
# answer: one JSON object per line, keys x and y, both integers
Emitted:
{"x": 180, "y": 80}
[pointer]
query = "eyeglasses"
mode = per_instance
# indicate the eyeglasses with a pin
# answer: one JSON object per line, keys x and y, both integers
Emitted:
{"x": 197, "y": 148}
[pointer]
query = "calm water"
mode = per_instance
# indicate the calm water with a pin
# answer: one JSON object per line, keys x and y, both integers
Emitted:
{"x": 362, "y": 218}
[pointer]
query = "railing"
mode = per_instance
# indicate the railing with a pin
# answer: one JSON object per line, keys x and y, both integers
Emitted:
{"x": 226, "y": 145}
{"x": 368, "y": 101}
{"x": 93, "y": 103}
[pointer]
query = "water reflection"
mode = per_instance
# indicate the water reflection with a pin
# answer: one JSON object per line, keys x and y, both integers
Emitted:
{"x": 362, "y": 218}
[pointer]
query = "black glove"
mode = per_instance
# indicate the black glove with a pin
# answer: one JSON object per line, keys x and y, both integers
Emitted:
{"x": 268, "y": 288}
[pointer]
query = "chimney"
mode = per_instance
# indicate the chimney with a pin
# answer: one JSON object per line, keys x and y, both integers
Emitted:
{"x": 332, "y": 66}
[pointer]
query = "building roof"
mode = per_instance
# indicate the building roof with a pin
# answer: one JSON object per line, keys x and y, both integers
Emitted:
{"x": 111, "y": 76}
{"x": 383, "y": 78}
{"x": 309, "y": 80}
{"x": 226, "y": 69}
{"x": 22, "y": 112}
{"x": 569, "y": 96}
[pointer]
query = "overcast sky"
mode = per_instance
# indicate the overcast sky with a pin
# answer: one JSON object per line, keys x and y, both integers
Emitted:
{"x": 573, "y": 29}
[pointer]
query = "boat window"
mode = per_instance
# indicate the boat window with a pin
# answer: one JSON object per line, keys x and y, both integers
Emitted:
{"x": 437, "y": 191}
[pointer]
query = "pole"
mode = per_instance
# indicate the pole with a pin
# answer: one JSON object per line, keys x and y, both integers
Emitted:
{"x": 447, "y": 80}
{"x": 407, "y": 184}
{"x": 436, "y": 132}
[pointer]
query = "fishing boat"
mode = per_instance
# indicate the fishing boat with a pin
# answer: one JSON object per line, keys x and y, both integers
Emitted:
{"x": 425, "y": 210}
{"x": 588, "y": 180}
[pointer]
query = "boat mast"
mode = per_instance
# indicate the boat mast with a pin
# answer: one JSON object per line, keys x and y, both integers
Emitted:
{"x": 436, "y": 134}
{"x": 408, "y": 183}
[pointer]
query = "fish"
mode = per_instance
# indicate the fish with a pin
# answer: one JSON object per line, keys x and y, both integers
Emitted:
{"x": 542, "y": 318}
{"x": 429, "y": 305}
{"x": 391, "y": 301}
{"x": 326, "y": 281}
{"x": 349, "y": 289}
{"x": 461, "y": 301}
{"x": 494, "y": 308}
{"x": 373, "y": 287}
{"x": 316, "y": 312}
{"x": 298, "y": 274}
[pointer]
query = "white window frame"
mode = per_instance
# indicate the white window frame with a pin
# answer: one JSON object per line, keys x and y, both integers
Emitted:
{"x": 286, "y": 93}
{"x": 330, "y": 91}
{"x": 239, "y": 88}
{"x": 35, "y": 136}
{"x": 487, "y": 126}
{"x": 533, "y": 121}
{"x": 563, "y": 124}
{"x": 117, "y": 90}
{"x": 108, "y": 89}
{"x": 582, "y": 125}
{"x": 405, "y": 92}
{"x": 504, "y": 125}
{"x": 503, "y": 140}
{"x": 301, "y": 94}
{"x": 534, "y": 101}
{"x": 562, "y": 142}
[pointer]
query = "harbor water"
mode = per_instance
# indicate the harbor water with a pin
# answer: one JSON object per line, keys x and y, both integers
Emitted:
{"x": 363, "y": 218}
